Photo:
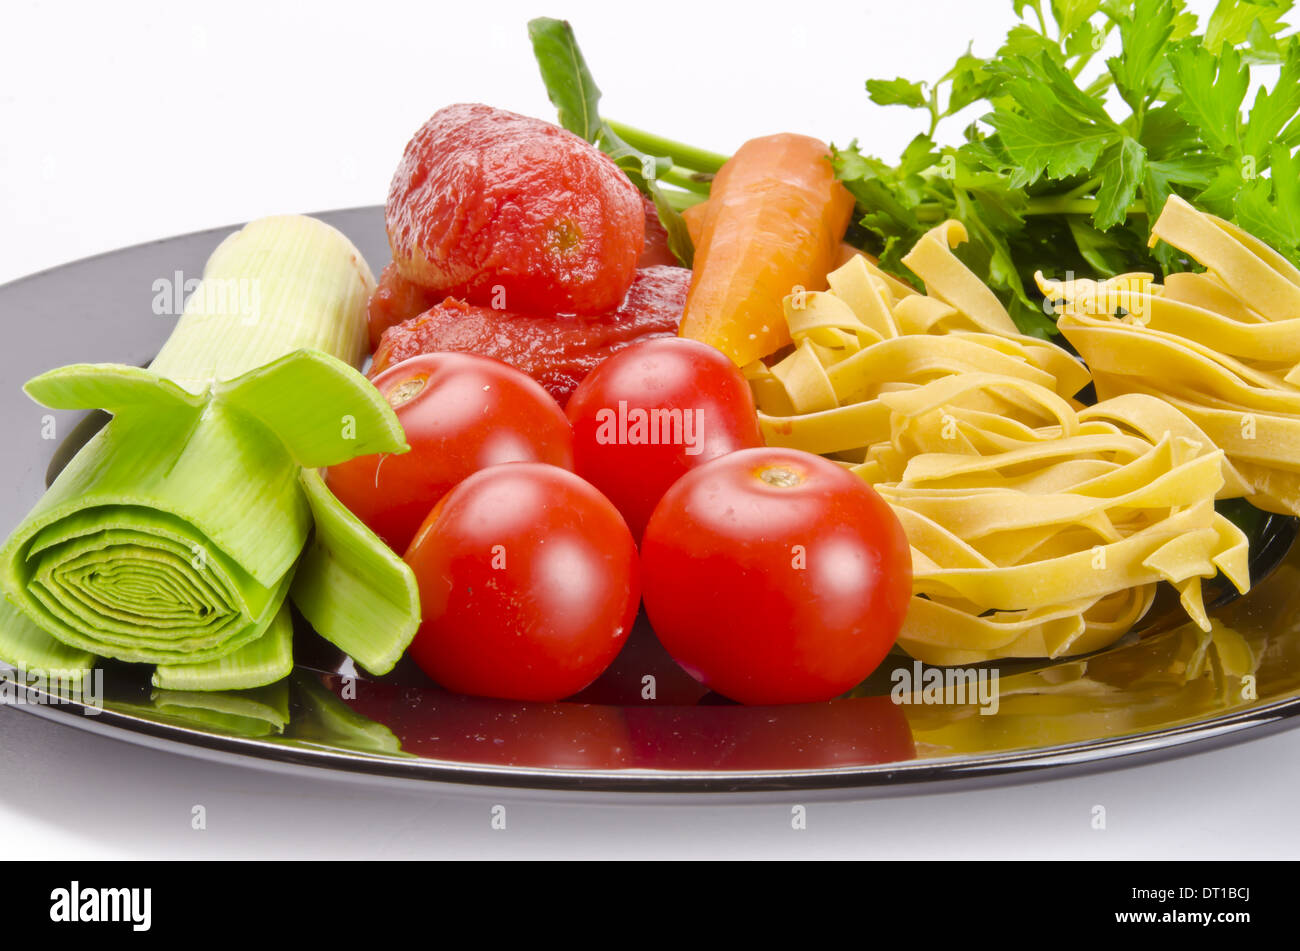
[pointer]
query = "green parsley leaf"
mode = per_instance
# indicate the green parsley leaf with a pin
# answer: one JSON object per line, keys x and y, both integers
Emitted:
{"x": 896, "y": 92}
{"x": 1269, "y": 208}
{"x": 1143, "y": 32}
{"x": 1213, "y": 88}
{"x": 1121, "y": 175}
{"x": 1274, "y": 109}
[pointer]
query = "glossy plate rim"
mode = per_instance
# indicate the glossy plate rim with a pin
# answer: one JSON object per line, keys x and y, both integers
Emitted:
{"x": 936, "y": 774}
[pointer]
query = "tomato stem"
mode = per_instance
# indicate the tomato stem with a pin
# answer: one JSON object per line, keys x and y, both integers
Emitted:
{"x": 780, "y": 476}
{"x": 405, "y": 391}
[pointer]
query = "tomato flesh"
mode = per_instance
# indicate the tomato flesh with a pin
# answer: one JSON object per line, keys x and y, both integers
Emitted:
{"x": 488, "y": 203}
{"x": 556, "y": 351}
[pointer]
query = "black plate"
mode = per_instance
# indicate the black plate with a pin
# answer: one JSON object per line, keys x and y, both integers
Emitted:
{"x": 1166, "y": 688}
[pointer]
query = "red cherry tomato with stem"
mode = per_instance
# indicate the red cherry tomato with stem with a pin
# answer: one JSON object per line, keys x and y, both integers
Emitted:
{"x": 461, "y": 413}
{"x": 775, "y": 576}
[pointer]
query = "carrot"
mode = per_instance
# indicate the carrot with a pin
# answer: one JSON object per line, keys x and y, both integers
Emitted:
{"x": 773, "y": 223}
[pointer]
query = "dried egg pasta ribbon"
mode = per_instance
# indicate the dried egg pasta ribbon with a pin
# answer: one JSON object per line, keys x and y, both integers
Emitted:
{"x": 1038, "y": 527}
{"x": 946, "y": 278}
{"x": 1222, "y": 347}
{"x": 1255, "y": 273}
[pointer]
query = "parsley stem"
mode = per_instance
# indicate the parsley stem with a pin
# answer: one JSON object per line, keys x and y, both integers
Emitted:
{"x": 681, "y": 200}
{"x": 683, "y": 155}
{"x": 1042, "y": 22}
{"x": 931, "y": 212}
{"x": 1065, "y": 205}
{"x": 1083, "y": 189}
{"x": 687, "y": 179}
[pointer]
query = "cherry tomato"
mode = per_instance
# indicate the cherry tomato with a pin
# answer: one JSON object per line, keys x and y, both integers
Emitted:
{"x": 529, "y": 584}
{"x": 775, "y": 576}
{"x": 653, "y": 412}
{"x": 461, "y": 413}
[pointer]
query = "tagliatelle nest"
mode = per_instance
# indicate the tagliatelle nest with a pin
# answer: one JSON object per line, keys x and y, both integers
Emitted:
{"x": 1222, "y": 346}
{"x": 1039, "y": 527}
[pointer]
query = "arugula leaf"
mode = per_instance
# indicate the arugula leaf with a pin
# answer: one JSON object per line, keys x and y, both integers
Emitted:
{"x": 569, "y": 83}
{"x": 576, "y": 97}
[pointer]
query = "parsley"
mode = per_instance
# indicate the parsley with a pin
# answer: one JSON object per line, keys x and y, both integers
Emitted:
{"x": 1073, "y": 155}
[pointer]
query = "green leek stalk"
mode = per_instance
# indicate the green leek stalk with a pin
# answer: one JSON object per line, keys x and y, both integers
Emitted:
{"x": 175, "y": 535}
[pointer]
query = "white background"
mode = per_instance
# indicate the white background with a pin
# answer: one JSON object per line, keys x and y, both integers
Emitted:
{"x": 126, "y": 122}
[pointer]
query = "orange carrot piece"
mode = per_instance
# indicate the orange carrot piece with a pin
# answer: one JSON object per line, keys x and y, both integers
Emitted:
{"x": 773, "y": 223}
{"x": 695, "y": 217}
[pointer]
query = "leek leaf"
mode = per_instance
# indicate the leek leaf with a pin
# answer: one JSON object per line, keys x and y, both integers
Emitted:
{"x": 109, "y": 386}
{"x": 322, "y": 411}
{"x": 351, "y": 587}
{"x": 328, "y": 721}
{"x": 173, "y": 536}
{"x": 23, "y": 644}
{"x": 269, "y": 703}
{"x": 252, "y": 713}
{"x": 260, "y": 662}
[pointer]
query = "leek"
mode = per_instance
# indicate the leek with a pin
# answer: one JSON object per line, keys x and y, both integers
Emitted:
{"x": 265, "y": 660}
{"x": 23, "y": 644}
{"x": 173, "y": 536}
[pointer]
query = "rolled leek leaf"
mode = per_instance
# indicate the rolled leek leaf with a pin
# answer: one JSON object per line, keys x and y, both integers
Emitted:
{"x": 351, "y": 587}
{"x": 265, "y": 660}
{"x": 25, "y": 645}
{"x": 173, "y": 536}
